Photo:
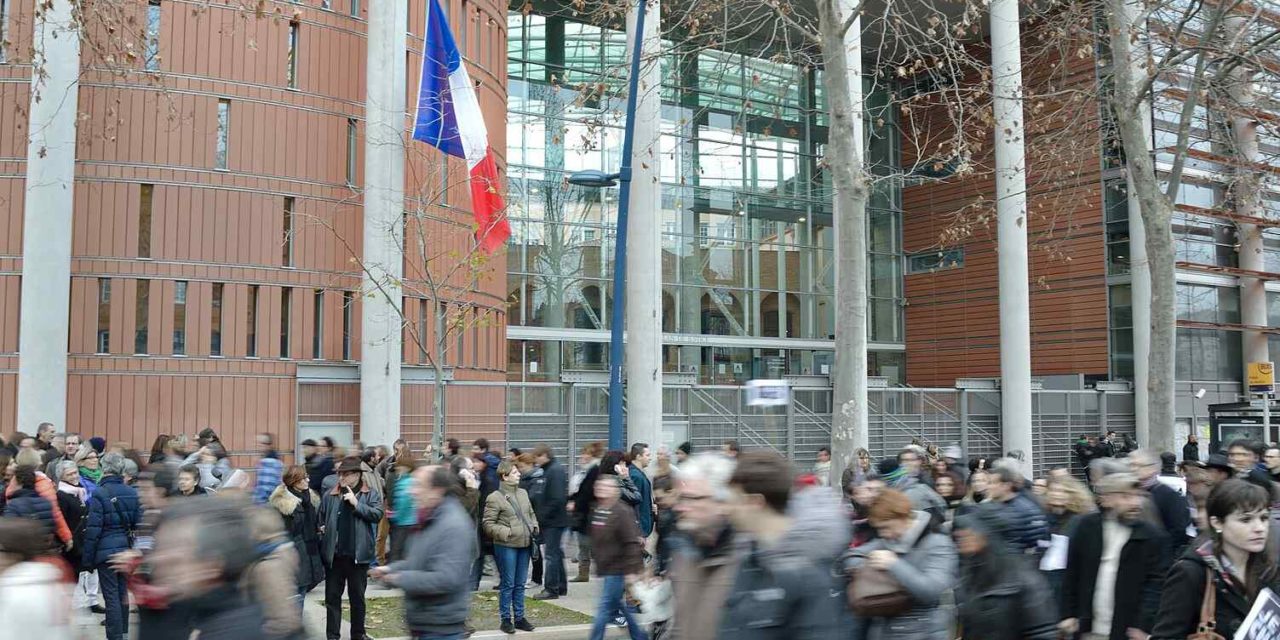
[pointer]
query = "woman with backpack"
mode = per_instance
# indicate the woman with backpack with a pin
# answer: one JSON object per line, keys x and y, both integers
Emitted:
{"x": 1216, "y": 581}
{"x": 113, "y": 518}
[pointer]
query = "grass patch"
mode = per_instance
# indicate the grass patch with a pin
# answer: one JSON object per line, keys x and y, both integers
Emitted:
{"x": 384, "y": 617}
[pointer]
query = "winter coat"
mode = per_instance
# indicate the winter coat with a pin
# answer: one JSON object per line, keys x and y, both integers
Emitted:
{"x": 644, "y": 509}
{"x": 535, "y": 484}
{"x": 1025, "y": 525}
{"x": 26, "y": 503}
{"x": 923, "y": 498}
{"x": 1174, "y": 516}
{"x": 1019, "y": 606}
{"x": 501, "y": 523}
{"x": 435, "y": 573}
{"x": 1191, "y": 452}
{"x": 404, "y": 510}
{"x": 1085, "y": 453}
{"x": 319, "y": 468}
{"x": 35, "y": 601}
{"x": 1179, "y": 612}
{"x": 584, "y": 501}
{"x": 554, "y": 511}
{"x": 1143, "y": 561}
{"x": 788, "y": 590}
{"x": 701, "y": 581}
{"x": 615, "y": 542}
{"x": 48, "y": 490}
{"x": 74, "y": 512}
{"x": 926, "y": 568}
{"x": 367, "y": 513}
{"x": 114, "y": 512}
{"x": 489, "y": 481}
{"x": 272, "y": 582}
{"x": 303, "y": 527}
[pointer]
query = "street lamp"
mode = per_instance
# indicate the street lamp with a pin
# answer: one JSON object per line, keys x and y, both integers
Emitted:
{"x": 598, "y": 179}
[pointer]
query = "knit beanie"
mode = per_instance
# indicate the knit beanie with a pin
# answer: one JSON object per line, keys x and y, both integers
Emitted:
{"x": 99, "y": 444}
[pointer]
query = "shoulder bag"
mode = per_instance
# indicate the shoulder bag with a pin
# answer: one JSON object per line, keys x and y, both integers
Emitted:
{"x": 535, "y": 553}
{"x": 1207, "y": 629}
{"x": 875, "y": 593}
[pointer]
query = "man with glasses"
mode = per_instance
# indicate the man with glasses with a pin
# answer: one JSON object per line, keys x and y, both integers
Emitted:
{"x": 70, "y": 446}
{"x": 703, "y": 573}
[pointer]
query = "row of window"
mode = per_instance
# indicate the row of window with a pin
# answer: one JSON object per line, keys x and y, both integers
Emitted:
{"x": 222, "y": 146}
{"x": 217, "y": 320}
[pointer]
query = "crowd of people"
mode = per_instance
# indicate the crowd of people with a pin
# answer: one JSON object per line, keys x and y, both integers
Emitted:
{"x": 684, "y": 545}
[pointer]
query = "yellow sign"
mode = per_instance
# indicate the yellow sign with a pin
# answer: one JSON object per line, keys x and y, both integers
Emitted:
{"x": 1261, "y": 374}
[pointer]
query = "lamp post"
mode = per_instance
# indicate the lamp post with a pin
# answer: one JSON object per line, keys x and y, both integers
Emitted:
{"x": 599, "y": 179}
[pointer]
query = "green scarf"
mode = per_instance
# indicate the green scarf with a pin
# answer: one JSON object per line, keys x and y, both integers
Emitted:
{"x": 93, "y": 474}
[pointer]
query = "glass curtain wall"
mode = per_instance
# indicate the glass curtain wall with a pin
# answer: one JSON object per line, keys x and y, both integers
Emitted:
{"x": 746, "y": 213}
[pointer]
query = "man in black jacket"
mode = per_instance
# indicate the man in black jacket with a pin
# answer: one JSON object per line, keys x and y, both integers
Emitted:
{"x": 1116, "y": 563}
{"x": 1171, "y": 506}
{"x": 553, "y": 520}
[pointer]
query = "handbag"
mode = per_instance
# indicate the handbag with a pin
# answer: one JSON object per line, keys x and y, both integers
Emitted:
{"x": 875, "y": 593}
{"x": 1207, "y": 629}
{"x": 536, "y": 553}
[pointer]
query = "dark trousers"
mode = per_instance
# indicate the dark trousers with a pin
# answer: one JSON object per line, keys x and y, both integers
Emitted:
{"x": 115, "y": 597}
{"x": 399, "y": 537}
{"x": 345, "y": 574}
{"x": 555, "y": 580}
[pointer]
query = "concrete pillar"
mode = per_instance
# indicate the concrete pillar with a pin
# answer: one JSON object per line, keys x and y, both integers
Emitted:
{"x": 1139, "y": 278}
{"x": 644, "y": 242}
{"x": 1246, "y": 192}
{"x": 44, "y": 316}
{"x": 1011, "y": 213}
{"x": 385, "y": 132}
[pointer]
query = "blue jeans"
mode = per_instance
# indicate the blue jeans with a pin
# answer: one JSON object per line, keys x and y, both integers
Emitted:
{"x": 115, "y": 597}
{"x": 612, "y": 598}
{"x": 554, "y": 578}
{"x": 513, "y": 572}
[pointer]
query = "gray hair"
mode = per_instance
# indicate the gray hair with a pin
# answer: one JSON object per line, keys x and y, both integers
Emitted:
{"x": 112, "y": 464}
{"x": 713, "y": 467}
{"x": 1100, "y": 468}
{"x": 130, "y": 468}
{"x": 63, "y": 467}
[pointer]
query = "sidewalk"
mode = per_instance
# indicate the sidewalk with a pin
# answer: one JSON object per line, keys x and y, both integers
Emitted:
{"x": 582, "y": 598}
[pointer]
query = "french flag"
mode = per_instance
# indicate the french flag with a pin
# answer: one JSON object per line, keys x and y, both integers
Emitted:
{"x": 448, "y": 118}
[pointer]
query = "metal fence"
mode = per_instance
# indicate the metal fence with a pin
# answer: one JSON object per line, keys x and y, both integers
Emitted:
{"x": 569, "y": 415}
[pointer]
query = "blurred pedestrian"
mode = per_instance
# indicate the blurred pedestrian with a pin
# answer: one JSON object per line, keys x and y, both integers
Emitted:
{"x": 553, "y": 521}
{"x": 70, "y": 446}
{"x": 1025, "y": 525}
{"x": 637, "y": 463}
{"x": 1170, "y": 506}
{"x": 272, "y": 579}
{"x": 952, "y": 491}
{"x": 45, "y": 488}
{"x": 788, "y": 558}
{"x": 1169, "y": 475}
{"x": 1000, "y": 596}
{"x": 435, "y": 572}
{"x": 702, "y": 572}
{"x": 1066, "y": 501}
{"x": 1115, "y": 564}
{"x": 905, "y": 478}
{"x": 33, "y": 592}
{"x": 1233, "y": 560}
{"x": 402, "y": 509}
{"x": 114, "y": 513}
{"x": 923, "y": 563}
{"x": 188, "y": 483}
{"x": 510, "y": 522}
{"x": 26, "y": 504}
{"x": 588, "y": 461}
{"x": 299, "y": 507}
{"x": 859, "y": 469}
{"x": 320, "y": 465}
{"x": 349, "y": 515}
{"x": 616, "y": 545}
{"x": 389, "y": 473}
{"x": 270, "y": 469}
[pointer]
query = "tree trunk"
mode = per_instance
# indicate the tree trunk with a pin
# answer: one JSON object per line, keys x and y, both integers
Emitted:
{"x": 1157, "y": 217}
{"x": 844, "y": 160}
{"x": 437, "y": 368}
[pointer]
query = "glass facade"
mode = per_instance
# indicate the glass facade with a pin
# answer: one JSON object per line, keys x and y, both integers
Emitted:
{"x": 747, "y": 243}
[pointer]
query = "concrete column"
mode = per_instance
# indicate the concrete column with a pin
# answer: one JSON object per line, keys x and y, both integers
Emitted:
{"x": 385, "y": 132}
{"x": 1011, "y": 213}
{"x": 1246, "y": 192}
{"x": 644, "y": 242}
{"x": 44, "y": 315}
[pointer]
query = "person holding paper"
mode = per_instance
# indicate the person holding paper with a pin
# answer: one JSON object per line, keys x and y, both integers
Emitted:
{"x": 1233, "y": 560}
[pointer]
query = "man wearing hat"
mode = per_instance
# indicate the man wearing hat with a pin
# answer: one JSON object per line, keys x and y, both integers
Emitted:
{"x": 350, "y": 513}
{"x": 1116, "y": 564}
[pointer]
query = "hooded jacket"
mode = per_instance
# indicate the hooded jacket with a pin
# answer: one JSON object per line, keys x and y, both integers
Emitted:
{"x": 554, "y": 511}
{"x": 1179, "y": 612}
{"x": 435, "y": 574}
{"x": 367, "y": 513}
{"x": 303, "y": 527}
{"x": 788, "y": 591}
{"x": 927, "y": 567}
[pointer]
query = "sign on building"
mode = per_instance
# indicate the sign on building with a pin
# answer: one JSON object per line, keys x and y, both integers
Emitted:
{"x": 768, "y": 393}
{"x": 1262, "y": 377}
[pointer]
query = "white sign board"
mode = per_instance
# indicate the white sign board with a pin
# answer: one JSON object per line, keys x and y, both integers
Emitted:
{"x": 768, "y": 393}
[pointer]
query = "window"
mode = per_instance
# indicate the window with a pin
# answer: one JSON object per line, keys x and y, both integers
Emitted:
{"x": 215, "y": 321}
{"x": 291, "y": 59}
{"x": 423, "y": 330}
{"x": 104, "y": 314}
{"x": 351, "y": 150}
{"x": 142, "y": 313}
{"x": 325, "y": 4}
{"x": 4, "y": 27}
{"x": 224, "y": 131}
{"x": 286, "y": 308}
{"x": 145, "y": 196}
{"x": 251, "y": 344}
{"x": 461, "y": 30}
{"x": 317, "y": 323}
{"x": 355, "y": 8}
{"x": 931, "y": 261}
{"x": 151, "y": 57}
{"x": 288, "y": 232}
{"x": 179, "y": 318}
{"x": 346, "y": 325}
